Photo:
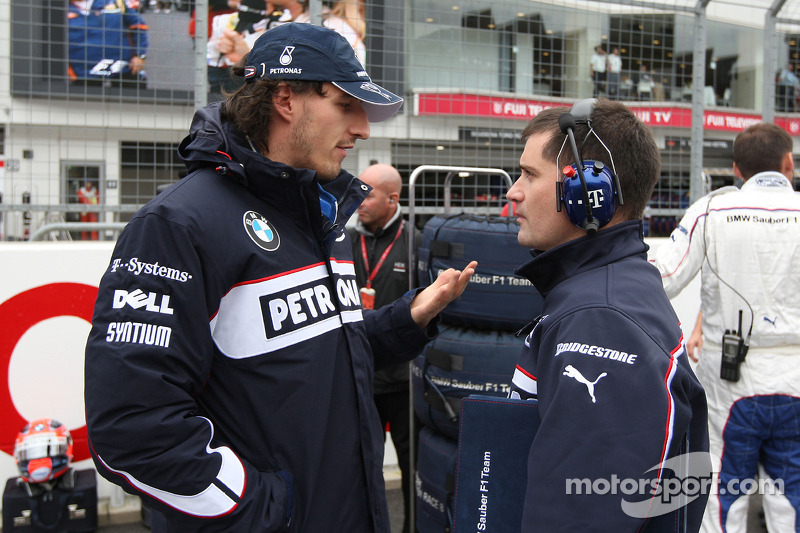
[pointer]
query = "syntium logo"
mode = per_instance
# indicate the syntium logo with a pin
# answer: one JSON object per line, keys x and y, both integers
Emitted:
{"x": 139, "y": 333}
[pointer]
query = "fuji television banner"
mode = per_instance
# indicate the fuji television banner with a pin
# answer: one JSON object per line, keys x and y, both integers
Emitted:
{"x": 667, "y": 116}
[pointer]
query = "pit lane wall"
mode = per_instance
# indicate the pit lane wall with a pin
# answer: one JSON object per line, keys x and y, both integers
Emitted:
{"x": 47, "y": 297}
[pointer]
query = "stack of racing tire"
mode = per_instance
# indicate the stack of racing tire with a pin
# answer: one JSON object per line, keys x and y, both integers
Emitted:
{"x": 477, "y": 348}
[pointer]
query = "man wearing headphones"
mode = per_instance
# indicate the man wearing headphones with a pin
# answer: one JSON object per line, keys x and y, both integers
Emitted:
{"x": 620, "y": 408}
{"x": 746, "y": 244}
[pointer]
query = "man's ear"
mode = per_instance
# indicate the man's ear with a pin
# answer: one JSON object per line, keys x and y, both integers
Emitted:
{"x": 787, "y": 166}
{"x": 737, "y": 172}
{"x": 285, "y": 101}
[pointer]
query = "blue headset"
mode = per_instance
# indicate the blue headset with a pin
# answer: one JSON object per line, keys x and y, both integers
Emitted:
{"x": 590, "y": 195}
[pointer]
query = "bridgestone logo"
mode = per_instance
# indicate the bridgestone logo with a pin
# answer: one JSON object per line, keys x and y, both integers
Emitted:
{"x": 597, "y": 351}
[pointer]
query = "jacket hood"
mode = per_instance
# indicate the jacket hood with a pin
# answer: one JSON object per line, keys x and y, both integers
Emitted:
{"x": 205, "y": 137}
{"x": 210, "y": 143}
{"x": 213, "y": 141}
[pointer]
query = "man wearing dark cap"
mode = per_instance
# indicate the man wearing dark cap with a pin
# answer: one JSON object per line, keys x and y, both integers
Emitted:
{"x": 229, "y": 367}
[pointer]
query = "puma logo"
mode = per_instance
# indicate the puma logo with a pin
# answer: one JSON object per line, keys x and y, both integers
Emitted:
{"x": 572, "y": 372}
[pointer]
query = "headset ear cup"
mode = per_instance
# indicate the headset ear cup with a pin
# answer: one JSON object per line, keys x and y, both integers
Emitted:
{"x": 572, "y": 199}
{"x": 601, "y": 189}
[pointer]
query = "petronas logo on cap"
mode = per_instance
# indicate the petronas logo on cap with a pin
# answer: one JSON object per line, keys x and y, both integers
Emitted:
{"x": 286, "y": 56}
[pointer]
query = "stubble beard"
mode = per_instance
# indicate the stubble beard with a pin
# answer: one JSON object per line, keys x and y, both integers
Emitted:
{"x": 305, "y": 145}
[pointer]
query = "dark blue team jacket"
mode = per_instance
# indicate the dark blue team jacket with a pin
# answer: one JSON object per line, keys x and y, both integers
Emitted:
{"x": 623, "y": 433}
{"x": 229, "y": 366}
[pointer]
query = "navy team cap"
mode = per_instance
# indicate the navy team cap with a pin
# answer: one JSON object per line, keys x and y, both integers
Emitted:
{"x": 301, "y": 51}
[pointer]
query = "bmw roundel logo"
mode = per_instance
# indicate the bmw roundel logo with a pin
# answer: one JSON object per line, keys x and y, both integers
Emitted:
{"x": 261, "y": 231}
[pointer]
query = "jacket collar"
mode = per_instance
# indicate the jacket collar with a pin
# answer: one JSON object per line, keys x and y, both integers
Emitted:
{"x": 767, "y": 181}
{"x": 548, "y": 269}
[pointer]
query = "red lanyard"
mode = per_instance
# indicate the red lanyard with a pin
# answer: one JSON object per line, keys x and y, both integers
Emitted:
{"x": 371, "y": 275}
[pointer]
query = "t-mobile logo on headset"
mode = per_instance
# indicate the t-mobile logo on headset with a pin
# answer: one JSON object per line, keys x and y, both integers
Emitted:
{"x": 596, "y": 198}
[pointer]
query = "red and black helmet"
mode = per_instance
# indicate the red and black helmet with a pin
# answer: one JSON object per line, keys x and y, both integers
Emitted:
{"x": 43, "y": 450}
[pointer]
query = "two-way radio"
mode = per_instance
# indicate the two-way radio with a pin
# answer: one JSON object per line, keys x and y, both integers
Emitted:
{"x": 734, "y": 347}
{"x": 734, "y": 350}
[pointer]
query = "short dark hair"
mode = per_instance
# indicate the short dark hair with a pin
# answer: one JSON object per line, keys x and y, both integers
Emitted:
{"x": 250, "y": 107}
{"x": 636, "y": 156}
{"x": 760, "y": 148}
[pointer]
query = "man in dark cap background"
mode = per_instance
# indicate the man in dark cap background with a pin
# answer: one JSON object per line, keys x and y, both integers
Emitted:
{"x": 229, "y": 366}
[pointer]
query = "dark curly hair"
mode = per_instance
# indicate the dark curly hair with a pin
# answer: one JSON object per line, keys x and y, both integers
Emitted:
{"x": 250, "y": 107}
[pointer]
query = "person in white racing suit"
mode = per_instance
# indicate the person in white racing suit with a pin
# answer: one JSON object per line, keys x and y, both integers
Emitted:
{"x": 746, "y": 245}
